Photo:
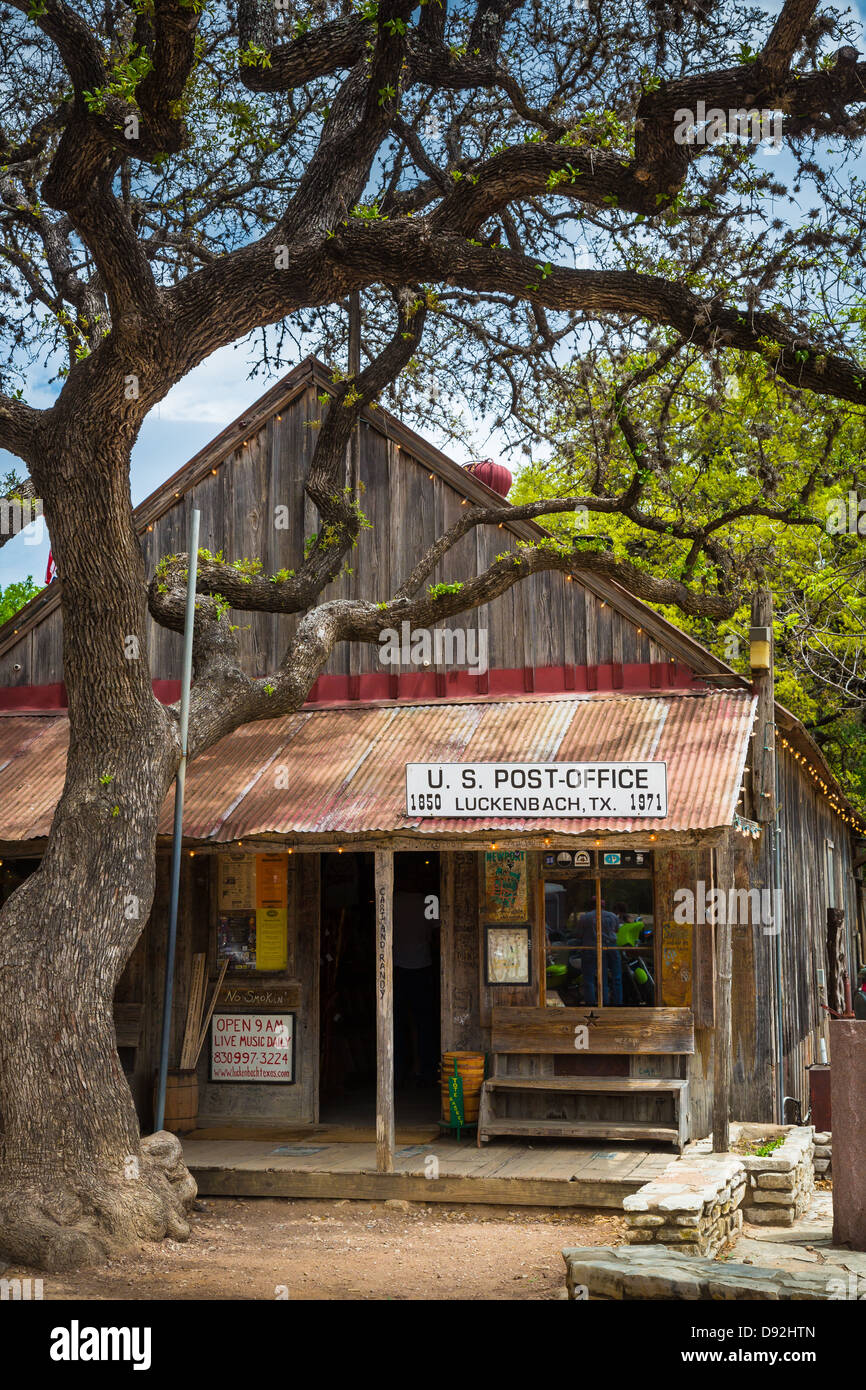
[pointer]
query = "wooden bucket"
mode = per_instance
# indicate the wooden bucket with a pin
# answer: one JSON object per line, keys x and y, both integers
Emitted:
{"x": 470, "y": 1068}
{"x": 181, "y": 1100}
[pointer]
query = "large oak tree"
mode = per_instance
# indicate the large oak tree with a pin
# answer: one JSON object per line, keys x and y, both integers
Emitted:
{"x": 501, "y": 176}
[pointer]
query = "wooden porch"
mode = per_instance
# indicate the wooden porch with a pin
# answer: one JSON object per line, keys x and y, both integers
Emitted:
{"x": 546, "y": 1174}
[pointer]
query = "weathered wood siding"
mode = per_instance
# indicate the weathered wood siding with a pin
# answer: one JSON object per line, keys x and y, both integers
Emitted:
{"x": 776, "y": 1003}
{"x": 545, "y": 621}
{"x": 675, "y": 870}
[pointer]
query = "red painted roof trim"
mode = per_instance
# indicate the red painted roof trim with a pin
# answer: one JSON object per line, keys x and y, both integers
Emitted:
{"x": 374, "y": 686}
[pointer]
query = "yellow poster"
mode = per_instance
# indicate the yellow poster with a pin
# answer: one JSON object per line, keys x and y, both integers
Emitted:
{"x": 676, "y": 965}
{"x": 272, "y": 938}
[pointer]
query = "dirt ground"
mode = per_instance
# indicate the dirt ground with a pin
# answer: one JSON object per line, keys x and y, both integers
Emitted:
{"x": 263, "y": 1248}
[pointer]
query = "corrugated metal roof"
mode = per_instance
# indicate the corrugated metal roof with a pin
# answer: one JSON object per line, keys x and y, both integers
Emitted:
{"x": 342, "y": 771}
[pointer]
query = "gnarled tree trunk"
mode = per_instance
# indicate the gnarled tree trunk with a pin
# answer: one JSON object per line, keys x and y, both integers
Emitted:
{"x": 75, "y": 1180}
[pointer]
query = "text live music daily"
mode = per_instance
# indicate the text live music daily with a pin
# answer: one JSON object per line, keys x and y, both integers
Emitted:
{"x": 536, "y": 789}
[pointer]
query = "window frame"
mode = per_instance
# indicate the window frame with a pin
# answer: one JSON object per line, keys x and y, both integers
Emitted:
{"x": 595, "y": 875}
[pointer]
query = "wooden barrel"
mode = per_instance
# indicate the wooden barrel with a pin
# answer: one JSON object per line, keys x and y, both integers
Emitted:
{"x": 470, "y": 1068}
{"x": 181, "y": 1100}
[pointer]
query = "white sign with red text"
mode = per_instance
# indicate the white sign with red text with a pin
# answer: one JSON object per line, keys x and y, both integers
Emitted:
{"x": 252, "y": 1046}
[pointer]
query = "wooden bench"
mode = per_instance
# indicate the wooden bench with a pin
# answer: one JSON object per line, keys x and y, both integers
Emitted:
{"x": 489, "y": 1123}
{"x": 548, "y": 1032}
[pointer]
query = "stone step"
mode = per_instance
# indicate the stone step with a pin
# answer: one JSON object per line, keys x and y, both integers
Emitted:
{"x": 656, "y": 1272}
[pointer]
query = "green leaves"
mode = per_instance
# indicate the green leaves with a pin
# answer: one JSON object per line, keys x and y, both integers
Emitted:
{"x": 544, "y": 271}
{"x": 737, "y": 477}
{"x": 125, "y": 75}
{"x": 368, "y": 212}
{"x": 14, "y": 596}
{"x": 440, "y": 590}
{"x": 254, "y": 56}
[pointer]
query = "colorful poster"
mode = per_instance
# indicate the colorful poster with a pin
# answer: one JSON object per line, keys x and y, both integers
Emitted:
{"x": 253, "y": 911}
{"x": 506, "y": 886}
{"x": 272, "y": 938}
{"x": 236, "y": 939}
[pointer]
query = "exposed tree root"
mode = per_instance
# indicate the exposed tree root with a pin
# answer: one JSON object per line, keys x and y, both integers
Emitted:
{"x": 62, "y": 1221}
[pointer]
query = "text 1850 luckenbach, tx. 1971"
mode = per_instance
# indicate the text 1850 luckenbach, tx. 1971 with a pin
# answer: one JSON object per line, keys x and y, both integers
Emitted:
{"x": 536, "y": 789}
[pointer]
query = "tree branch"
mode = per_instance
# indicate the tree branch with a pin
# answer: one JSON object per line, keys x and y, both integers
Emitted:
{"x": 19, "y": 424}
{"x": 241, "y": 585}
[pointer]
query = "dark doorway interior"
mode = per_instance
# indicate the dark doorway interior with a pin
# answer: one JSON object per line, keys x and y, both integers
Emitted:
{"x": 347, "y": 1036}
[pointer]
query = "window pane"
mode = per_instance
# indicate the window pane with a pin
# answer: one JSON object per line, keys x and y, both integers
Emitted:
{"x": 571, "y": 924}
{"x": 629, "y": 945}
{"x": 626, "y": 963}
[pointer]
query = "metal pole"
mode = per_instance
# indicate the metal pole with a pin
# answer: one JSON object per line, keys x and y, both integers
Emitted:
{"x": 353, "y": 459}
{"x": 186, "y": 679}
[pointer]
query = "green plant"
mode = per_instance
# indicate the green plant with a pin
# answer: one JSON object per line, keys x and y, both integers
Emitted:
{"x": 440, "y": 590}
{"x": 768, "y": 1146}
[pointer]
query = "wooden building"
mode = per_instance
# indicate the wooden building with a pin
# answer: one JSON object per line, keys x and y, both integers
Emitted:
{"x": 576, "y": 942}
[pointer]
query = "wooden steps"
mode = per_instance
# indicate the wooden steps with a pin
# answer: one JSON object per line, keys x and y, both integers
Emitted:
{"x": 582, "y": 1129}
{"x": 586, "y": 1085}
{"x": 489, "y": 1123}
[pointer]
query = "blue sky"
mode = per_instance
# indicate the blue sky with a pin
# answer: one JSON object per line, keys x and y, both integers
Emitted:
{"x": 195, "y": 410}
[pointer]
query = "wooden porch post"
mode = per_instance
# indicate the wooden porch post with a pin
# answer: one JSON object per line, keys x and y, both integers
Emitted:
{"x": 723, "y": 861}
{"x": 384, "y": 860}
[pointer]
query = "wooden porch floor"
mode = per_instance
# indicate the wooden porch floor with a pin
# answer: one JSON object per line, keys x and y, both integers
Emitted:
{"x": 543, "y": 1174}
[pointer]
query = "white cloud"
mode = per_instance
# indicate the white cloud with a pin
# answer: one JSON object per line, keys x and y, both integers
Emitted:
{"x": 217, "y": 390}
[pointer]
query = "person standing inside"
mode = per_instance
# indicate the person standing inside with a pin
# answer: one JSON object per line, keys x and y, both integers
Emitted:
{"x": 583, "y": 927}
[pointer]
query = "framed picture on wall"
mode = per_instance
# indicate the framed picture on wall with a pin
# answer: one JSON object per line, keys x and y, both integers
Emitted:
{"x": 508, "y": 954}
{"x": 506, "y": 885}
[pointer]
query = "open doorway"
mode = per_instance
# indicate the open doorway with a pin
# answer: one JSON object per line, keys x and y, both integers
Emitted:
{"x": 347, "y": 999}
{"x": 416, "y": 986}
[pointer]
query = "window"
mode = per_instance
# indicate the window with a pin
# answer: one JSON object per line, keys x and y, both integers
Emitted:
{"x": 600, "y": 928}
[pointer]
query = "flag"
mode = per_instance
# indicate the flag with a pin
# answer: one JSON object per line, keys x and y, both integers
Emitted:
{"x": 51, "y": 571}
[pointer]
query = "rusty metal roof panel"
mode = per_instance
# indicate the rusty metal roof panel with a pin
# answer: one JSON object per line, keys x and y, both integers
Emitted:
{"x": 32, "y": 769}
{"x": 18, "y": 734}
{"x": 341, "y": 771}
